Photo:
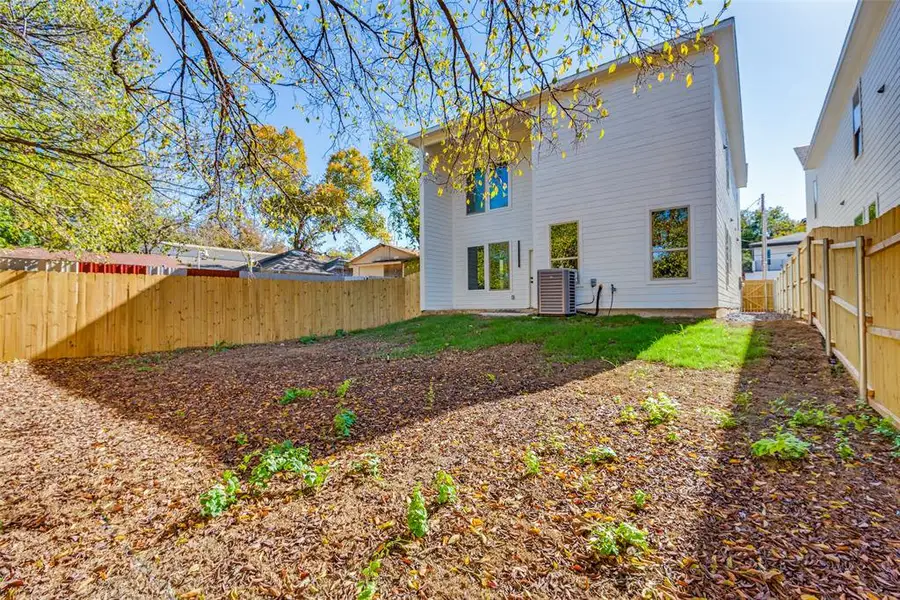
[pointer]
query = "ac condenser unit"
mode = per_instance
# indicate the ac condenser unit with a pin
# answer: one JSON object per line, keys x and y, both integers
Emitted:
{"x": 556, "y": 291}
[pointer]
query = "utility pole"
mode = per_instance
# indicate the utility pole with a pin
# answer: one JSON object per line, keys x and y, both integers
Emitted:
{"x": 765, "y": 253}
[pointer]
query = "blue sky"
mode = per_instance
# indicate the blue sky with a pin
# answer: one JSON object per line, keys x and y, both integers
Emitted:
{"x": 787, "y": 52}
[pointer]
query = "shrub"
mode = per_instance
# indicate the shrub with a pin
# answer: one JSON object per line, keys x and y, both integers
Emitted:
{"x": 858, "y": 423}
{"x": 659, "y": 410}
{"x": 285, "y": 458}
{"x": 446, "y": 488}
{"x": 628, "y": 414}
{"x": 343, "y": 421}
{"x": 368, "y": 464}
{"x": 342, "y": 388}
{"x": 810, "y": 418}
{"x": 532, "y": 462}
{"x": 639, "y": 498}
{"x": 784, "y": 445}
{"x": 222, "y": 495}
{"x": 599, "y": 454}
{"x": 611, "y": 540}
{"x": 366, "y": 589}
{"x": 742, "y": 399}
{"x": 723, "y": 418}
{"x": 417, "y": 514}
{"x": 293, "y": 394}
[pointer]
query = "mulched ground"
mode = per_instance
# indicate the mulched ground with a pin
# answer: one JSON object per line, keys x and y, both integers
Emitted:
{"x": 103, "y": 460}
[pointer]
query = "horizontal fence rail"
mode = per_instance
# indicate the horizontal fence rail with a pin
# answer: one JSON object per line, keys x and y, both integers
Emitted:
{"x": 845, "y": 281}
{"x": 63, "y": 315}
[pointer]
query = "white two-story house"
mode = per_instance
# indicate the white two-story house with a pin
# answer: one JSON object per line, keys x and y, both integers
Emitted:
{"x": 852, "y": 164}
{"x": 652, "y": 208}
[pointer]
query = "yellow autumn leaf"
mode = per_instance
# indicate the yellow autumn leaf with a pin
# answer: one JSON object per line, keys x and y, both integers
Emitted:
{"x": 440, "y": 192}
{"x": 716, "y": 58}
{"x": 612, "y": 68}
{"x": 564, "y": 154}
{"x": 661, "y": 76}
{"x": 689, "y": 80}
{"x": 602, "y": 133}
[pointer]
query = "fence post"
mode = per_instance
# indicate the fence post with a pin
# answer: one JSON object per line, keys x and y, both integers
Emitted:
{"x": 809, "y": 278}
{"x": 826, "y": 309}
{"x": 861, "y": 316}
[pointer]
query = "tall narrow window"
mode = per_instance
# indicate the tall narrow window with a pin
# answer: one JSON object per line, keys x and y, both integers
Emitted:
{"x": 476, "y": 267}
{"x": 498, "y": 265}
{"x": 475, "y": 193}
{"x": 564, "y": 245}
{"x": 670, "y": 243}
{"x": 856, "y": 119}
{"x": 498, "y": 193}
{"x": 815, "y": 194}
{"x": 859, "y": 219}
{"x": 873, "y": 211}
{"x": 728, "y": 165}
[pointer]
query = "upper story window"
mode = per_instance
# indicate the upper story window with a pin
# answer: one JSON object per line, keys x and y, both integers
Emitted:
{"x": 856, "y": 120}
{"x": 873, "y": 211}
{"x": 496, "y": 192}
{"x": 859, "y": 219}
{"x": 670, "y": 243}
{"x": 815, "y": 195}
{"x": 564, "y": 245}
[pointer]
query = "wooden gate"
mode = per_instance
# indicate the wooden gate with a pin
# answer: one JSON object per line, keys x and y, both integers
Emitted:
{"x": 758, "y": 295}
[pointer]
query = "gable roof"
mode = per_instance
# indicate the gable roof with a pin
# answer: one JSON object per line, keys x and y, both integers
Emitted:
{"x": 405, "y": 253}
{"x": 802, "y": 153}
{"x": 728, "y": 71}
{"x": 299, "y": 261}
{"x": 868, "y": 19}
{"x": 785, "y": 240}
{"x": 111, "y": 258}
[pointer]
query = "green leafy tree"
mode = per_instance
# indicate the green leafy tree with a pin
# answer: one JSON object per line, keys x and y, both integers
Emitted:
{"x": 778, "y": 221}
{"x": 396, "y": 163}
{"x": 306, "y": 210}
{"x": 72, "y": 170}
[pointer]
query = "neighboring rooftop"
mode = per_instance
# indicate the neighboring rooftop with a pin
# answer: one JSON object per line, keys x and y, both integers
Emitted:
{"x": 113, "y": 258}
{"x": 210, "y": 257}
{"x": 301, "y": 262}
{"x": 395, "y": 254}
{"x": 785, "y": 240}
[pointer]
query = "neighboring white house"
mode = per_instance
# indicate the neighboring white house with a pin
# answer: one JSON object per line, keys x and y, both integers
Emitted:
{"x": 671, "y": 157}
{"x": 778, "y": 251}
{"x": 853, "y": 162}
{"x": 383, "y": 260}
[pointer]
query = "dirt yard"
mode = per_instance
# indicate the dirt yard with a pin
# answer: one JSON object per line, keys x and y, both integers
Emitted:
{"x": 103, "y": 461}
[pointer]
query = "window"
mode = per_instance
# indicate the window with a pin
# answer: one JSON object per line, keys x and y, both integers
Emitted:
{"x": 859, "y": 219}
{"x": 727, "y": 165}
{"x": 856, "y": 120}
{"x": 727, "y": 259}
{"x": 476, "y": 267}
{"x": 498, "y": 265}
{"x": 670, "y": 243}
{"x": 768, "y": 257}
{"x": 873, "y": 211}
{"x": 815, "y": 194}
{"x": 497, "y": 190}
{"x": 475, "y": 193}
{"x": 564, "y": 245}
{"x": 498, "y": 193}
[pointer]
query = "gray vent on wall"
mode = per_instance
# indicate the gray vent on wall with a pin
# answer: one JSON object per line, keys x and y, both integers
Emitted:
{"x": 556, "y": 291}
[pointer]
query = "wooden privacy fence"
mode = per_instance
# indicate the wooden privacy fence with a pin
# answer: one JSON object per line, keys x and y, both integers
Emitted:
{"x": 846, "y": 282}
{"x": 59, "y": 315}
{"x": 757, "y": 295}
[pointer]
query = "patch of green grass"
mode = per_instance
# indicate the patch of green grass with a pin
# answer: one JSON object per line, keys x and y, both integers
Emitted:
{"x": 293, "y": 394}
{"x": 618, "y": 339}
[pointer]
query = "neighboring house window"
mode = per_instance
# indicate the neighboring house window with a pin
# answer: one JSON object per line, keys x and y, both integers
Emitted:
{"x": 859, "y": 219}
{"x": 475, "y": 193}
{"x": 768, "y": 257}
{"x": 498, "y": 265}
{"x": 498, "y": 193}
{"x": 497, "y": 190}
{"x": 856, "y": 118}
{"x": 564, "y": 245}
{"x": 873, "y": 211}
{"x": 670, "y": 243}
{"x": 476, "y": 267}
{"x": 815, "y": 193}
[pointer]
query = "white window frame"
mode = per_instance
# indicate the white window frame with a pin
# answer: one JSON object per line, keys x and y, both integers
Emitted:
{"x": 690, "y": 249}
{"x": 487, "y": 198}
{"x": 550, "y": 258}
{"x": 857, "y": 150}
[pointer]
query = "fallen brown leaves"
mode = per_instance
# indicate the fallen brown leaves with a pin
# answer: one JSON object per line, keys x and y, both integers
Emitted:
{"x": 103, "y": 461}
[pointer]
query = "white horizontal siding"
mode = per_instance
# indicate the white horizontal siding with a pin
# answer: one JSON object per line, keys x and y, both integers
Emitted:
{"x": 728, "y": 229}
{"x": 656, "y": 153}
{"x": 875, "y": 174}
{"x": 436, "y": 249}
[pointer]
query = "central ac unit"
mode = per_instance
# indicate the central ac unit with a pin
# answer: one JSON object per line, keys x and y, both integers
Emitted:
{"x": 556, "y": 291}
